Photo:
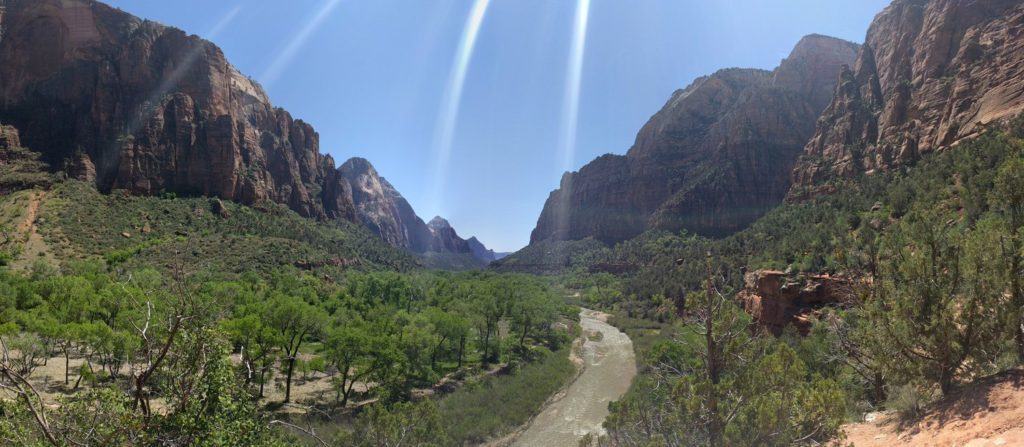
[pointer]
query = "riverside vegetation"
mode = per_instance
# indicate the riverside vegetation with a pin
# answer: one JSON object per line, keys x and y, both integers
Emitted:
{"x": 172, "y": 320}
{"x": 166, "y": 341}
{"x": 186, "y": 321}
{"x": 170, "y": 361}
{"x": 940, "y": 245}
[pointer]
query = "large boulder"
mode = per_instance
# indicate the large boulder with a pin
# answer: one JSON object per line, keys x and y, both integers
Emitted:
{"x": 775, "y": 299}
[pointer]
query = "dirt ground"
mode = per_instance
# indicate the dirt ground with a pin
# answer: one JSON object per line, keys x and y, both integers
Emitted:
{"x": 27, "y": 230}
{"x": 316, "y": 388}
{"x": 987, "y": 413}
{"x": 610, "y": 366}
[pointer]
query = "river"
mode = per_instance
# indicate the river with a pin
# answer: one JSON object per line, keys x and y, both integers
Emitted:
{"x": 609, "y": 368}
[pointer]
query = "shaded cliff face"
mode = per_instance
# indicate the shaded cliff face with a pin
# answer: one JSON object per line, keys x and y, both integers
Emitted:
{"x": 445, "y": 238}
{"x": 931, "y": 73}
{"x": 131, "y": 104}
{"x": 380, "y": 207}
{"x": 715, "y": 158}
{"x": 153, "y": 109}
{"x": 480, "y": 251}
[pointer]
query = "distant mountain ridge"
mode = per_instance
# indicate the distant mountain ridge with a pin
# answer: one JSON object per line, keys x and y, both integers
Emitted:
{"x": 932, "y": 75}
{"x": 131, "y": 104}
{"x": 714, "y": 159}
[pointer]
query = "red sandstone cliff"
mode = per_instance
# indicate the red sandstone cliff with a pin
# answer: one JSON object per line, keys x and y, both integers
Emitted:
{"x": 153, "y": 109}
{"x": 715, "y": 158}
{"x": 930, "y": 74}
{"x": 131, "y": 104}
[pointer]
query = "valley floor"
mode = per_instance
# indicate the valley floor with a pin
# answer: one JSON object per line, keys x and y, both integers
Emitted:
{"x": 985, "y": 414}
{"x": 608, "y": 370}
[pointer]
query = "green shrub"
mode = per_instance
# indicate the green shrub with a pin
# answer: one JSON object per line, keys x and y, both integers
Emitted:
{"x": 502, "y": 403}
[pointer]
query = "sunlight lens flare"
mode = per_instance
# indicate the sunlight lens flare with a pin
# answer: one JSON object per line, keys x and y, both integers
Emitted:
{"x": 444, "y": 134}
{"x": 171, "y": 81}
{"x": 573, "y": 82}
{"x": 571, "y": 109}
{"x": 284, "y": 58}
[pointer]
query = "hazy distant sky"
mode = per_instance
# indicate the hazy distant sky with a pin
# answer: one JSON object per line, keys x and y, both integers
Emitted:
{"x": 372, "y": 75}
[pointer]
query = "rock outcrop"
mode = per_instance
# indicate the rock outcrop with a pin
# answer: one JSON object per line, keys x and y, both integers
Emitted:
{"x": 930, "y": 74}
{"x": 20, "y": 168}
{"x": 776, "y": 300}
{"x": 716, "y": 157}
{"x": 132, "y": 104}
{"x": 9, "y": 138}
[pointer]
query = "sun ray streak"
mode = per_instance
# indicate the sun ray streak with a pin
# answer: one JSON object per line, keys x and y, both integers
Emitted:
{"x": 280, "y": 63}
{"x": 171, "y": 81}
{"x": 571, "y": 112}
{"x": 573, "y": 84}
{"x": 444, "y": 133}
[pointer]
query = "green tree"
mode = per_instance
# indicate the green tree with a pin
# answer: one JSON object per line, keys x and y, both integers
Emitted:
{"x": 294, "y": 322}
{"x": 937, "y": 307}
{"x": 715, "y": 383}
{"x": 488, "y": 310}
{"x": 1007, "y": 198}
{"x": 532, "y": 309}
{"x": 451, "y": 328}
{"x": 256, "y": 342}
{"x": 358, "y": 354}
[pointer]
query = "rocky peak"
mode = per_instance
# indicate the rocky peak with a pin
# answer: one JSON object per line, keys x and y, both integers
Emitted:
{"x": 931, "y": 74}
{"x": 810, "y": 68}
{"x": 380, "y": 207}
{"x": 439, "y": 224}
{"x": 716, "y": 157}
{"x": 480, "y": 251}
{"x": 356, "y": 166}
{"x": 445, "y": 238}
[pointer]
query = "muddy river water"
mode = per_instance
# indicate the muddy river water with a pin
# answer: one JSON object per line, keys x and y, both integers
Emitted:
{"x": 609, "y": 368}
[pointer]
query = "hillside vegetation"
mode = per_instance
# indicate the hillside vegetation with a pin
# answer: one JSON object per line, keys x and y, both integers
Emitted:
{"x": 134, "y": 320}
{"x": 207, "y": 234}
{"x": 941, "y": 245}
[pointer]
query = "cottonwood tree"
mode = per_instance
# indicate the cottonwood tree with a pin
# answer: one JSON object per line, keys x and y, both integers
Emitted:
{"x": 532, "y": 309}
{"x": 256, "y": 342}
{"x": 451, "y": 328}
{"x": 358, "y": 353}
{"x": 488, "y": 309}
{"x": 294, "y": 322}
{"x": 70, "y": 303}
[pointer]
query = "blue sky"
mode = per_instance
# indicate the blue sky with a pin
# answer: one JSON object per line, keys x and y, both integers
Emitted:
{"x": 374, "y": 77}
